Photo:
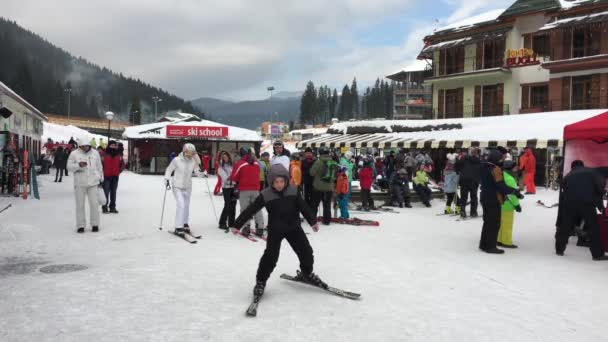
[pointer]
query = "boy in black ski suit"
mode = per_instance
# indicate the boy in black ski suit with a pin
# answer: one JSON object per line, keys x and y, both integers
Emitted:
{"x": 284, "y": 206}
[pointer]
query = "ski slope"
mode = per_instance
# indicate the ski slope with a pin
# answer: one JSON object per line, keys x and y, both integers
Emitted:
{"x": 421, "y": 276}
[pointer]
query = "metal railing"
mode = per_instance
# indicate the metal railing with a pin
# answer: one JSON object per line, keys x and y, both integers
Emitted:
{"x": 472, "y": 111}
{"x": 577, "y": 104}
{"x": 469, "y": 64}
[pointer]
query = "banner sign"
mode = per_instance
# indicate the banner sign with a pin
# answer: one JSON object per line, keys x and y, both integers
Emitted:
{"x": 174, "y": 131}
{"x": 521, "y": 58}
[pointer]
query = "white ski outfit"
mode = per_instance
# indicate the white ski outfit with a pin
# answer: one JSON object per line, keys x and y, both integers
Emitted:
{"x": 86, "y": 181}
{"x": 182, "y": 169}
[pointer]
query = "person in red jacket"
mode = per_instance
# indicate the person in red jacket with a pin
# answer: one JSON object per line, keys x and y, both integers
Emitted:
{"x": 529, "y": 168}
{"x": 111, "y": 172}
{"x": 366, "y": 178}
{"x": 246, "y": 173}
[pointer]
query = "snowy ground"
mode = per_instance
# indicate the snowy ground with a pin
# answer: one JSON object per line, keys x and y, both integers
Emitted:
{"x": 421, "y": 276}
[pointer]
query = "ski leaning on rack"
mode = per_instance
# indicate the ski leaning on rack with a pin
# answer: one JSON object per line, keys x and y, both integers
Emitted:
{"x": 353, "y": 221}
{"x": 187, "y": 237}
{"x": 333, "y": 290}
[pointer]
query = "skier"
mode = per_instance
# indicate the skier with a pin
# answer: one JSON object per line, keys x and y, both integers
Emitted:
{"x": 400, "y": 189}
{"x": 246, "y": 173}
{"x": 493, "y": 192}
{"x": 410, "y": 163}
{"x": 60, "y": 163}
{"x": 295, "y": 172}
{"x": 284, "y": 206}
{"x": 111, "y": 173}
{"x": 468, "y": 169}
{"x": 307, "y": 179}
{"x": 347, "y": 161}
{"x": 421, "y": 181}
{"x": 366, "y": 178}
{"x": 511, "y": 203}
{"x": 182, "y": 168}
{"x": 581, "y": 193}
{"x": 528, "y": 166}
{"x": 450, "y": 184}
{"x": 224, "y": 171}
{"x": 324, "y": 173}
{"x": 264, "y": 169}
{"x": 389, "y": 164}
{"x": 342, "y": 186}
{"x": 281, "y": 154}
{"x": 88, "y": 176}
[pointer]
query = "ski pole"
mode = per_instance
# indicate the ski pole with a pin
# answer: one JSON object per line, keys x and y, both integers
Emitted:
{"x": 162, "y": 213}
{"x": 211, "y": 198}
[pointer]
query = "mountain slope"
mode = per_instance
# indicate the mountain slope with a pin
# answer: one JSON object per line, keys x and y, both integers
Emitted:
{"x": 40, "y": 72}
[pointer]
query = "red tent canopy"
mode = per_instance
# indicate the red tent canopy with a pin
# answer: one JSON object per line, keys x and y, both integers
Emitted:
{"x": 594, "y": 128}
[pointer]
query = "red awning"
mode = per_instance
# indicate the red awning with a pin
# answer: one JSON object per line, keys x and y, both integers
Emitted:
{"x": 594, "y": 128}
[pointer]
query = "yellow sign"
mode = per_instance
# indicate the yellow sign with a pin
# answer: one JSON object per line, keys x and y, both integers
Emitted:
{"x": 515, "y": 53}
{"x": 343, "y": 150}
{"x": 521, "y": 57}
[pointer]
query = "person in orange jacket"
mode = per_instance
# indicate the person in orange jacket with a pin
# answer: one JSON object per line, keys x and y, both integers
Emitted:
{"x": 528, "y": 165}
{"x": 295, "y": 171}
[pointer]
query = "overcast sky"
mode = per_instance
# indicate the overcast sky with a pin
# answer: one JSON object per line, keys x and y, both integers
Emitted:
{"x": 234, "y": 49}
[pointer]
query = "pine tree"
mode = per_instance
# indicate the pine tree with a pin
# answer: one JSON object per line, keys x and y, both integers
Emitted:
{"x": 354, "y": 97}
{"x": 345, "y": 107}
{"x": 308, "y": 104}
{"x": 135, "y": 111}
{"x": 333, "y": 104}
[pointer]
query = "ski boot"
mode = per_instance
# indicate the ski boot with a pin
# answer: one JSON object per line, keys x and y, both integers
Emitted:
{"x": 463, "y": 213}
{"x": 246, "y": 231}
{"x": 95, "y": 229}
{"x": 80, "y": 230}
{"x": 473, "y": 214}
{"x": 258, "y": 289}
{"x": 113, "y": 211}
{"x": 186, "y": 229}
{"x": 457, "y": 211}
{"x": 310, "y": 278}
{"x": 179, "y": 231}
{"x": 448, "y": 210}
{"x": 104, "y": 209}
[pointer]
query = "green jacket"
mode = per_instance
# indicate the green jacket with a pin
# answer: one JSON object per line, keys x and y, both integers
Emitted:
{"x": 264, "y": 169}
{"x": 511, "y": 201}
{"x": 349, "y": 167}
{"x": 317, "y": 170}
{"x": 421, "y": 178}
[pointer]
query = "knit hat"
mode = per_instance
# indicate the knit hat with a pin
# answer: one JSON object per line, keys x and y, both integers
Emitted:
{"x": 278, "y": 170}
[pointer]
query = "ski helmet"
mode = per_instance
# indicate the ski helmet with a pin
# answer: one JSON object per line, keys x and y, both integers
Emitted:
{"x": 508, "y": 165}
{"x": 323, "y": 150}
{"x": 189, "y": 147}
{"x": 278, "y": 143}
{"x": 243, "y": 151}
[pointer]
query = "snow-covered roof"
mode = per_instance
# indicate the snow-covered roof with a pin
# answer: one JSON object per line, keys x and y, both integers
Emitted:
{"x": 583, "y": 19}
{"x": 314, "y": 131}
{"x": 446, "y": 44}
{"x": 181, "y": 117}
{"x": 466, "y": 23}
{"x": 567, "y": 4}
{"x": 4, "y": 89}
{"x": 520, "y": 128}
{"x": 157, "y": 130}
{"x": 61, "y": 133}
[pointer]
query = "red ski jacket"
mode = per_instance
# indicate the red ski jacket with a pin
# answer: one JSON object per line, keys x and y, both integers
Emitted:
{"x": 366, "y": 178}
{"x": 246, "y": 175}
{"x": 111, "y": 165}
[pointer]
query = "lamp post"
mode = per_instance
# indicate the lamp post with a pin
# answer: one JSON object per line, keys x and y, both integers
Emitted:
{"x": 156, "y": 100}
{"x": 109, "y": 116}
{"x": 69, "y": 92}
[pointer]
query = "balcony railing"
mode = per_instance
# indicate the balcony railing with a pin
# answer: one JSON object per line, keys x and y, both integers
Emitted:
{"x": 578, "y": 104}
{"x": 470, "y": 64}
{"x": 472, "y": 111}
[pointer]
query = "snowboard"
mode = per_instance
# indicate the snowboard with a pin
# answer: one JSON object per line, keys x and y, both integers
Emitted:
{"x": 353, "y": 221}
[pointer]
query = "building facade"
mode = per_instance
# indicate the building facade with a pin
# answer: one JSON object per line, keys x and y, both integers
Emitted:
{"x": 538, "y": 55}
{"x": 412, "y": 98}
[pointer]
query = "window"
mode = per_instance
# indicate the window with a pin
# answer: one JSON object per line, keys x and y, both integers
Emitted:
{"x": 453, "y": 103}
{"x": 452, "y": 61}
{"x": 581, "y": 93}
{"x": 586, "y": 41}
{"x": 540, "y": 45}
{"x": 539, "y": 96}
{"x": 493, "y": 54}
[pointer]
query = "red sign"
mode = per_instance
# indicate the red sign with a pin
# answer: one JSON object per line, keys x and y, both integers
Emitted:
{"x": 174, "y": 131}
{"x": 521, "y": 58}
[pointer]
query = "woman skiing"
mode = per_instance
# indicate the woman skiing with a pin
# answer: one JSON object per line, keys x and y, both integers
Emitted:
{"x": 284, "y": 206}
{"x": 450, "y": 184}
{"x": 224, "y": 171}
{"x": 182, "y": 168}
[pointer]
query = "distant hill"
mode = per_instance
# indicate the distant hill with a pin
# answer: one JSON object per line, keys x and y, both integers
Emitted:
{"x": 40, "y": 72}
{"x": 251, "y": 114}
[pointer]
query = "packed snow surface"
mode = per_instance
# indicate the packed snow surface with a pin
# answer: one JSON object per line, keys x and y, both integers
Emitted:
{"x": 421, "y": 276}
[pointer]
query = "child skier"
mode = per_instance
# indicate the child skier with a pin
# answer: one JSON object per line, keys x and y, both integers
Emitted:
{"x": 450, "y": 184}
{"x": 182, "y": 166}
{"x": 366, "y": 178}
{"x": 284, "y": 206}
{"x": 421, "y": 187}
{"x": 511, "y": 203}
{"x": 342, "y": 187}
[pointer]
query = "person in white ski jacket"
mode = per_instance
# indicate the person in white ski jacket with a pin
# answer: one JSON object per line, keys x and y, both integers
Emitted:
{"x": 85, "y": 165}
{"x": 182, "y": 168}
{"x": 281, "y": 155}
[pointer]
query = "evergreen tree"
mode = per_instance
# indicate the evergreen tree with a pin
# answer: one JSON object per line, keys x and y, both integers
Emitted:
{"x": 135, "y": 111}
{"x": 333, "y": 104}
{"x": 345, "y": 107}
{"x": 308, "y": 104}
{"x": 354, "y": 93}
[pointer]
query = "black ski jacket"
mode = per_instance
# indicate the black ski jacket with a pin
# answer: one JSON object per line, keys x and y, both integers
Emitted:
{"x": 469, "y": 170}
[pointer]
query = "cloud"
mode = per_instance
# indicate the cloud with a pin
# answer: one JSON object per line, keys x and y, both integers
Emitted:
{"x": 229, "y": 48}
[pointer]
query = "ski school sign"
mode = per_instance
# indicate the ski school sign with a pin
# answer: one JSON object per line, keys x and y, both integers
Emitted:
{"x": 174, "y": 131}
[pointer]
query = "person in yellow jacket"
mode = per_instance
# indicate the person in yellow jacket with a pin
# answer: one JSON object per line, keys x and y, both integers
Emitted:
{"x": 421, "y": 181}
{"x": 295, "y": 171}
{"x": 511, "y": 204}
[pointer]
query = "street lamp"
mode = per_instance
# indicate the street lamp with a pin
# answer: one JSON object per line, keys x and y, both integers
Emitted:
{"x": 156, "y": 100}
{"x": 69, "y": 92}
{"x": 109, "y": 116}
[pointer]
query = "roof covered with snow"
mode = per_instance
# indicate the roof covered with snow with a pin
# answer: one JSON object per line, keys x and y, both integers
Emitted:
{"x": 519, "y": 128}
{"x": 315, "y": 131}
{"x": 61, "y": 133}
{"x": 583, "y": 19}
{"x": 157, "y": 130}
{"x": 477, "y": 20}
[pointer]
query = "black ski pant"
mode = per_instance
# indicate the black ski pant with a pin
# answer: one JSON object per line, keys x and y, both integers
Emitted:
{"x": 298, "y": 242}
{"x": 326, "y": 198}
{"x": 229, "y": 211}
{"x": 366, "y": 198}
{"x": 59, "y": 174}
{"x": 110, "y": 185}
{"x": 466, "y": 189}
{"x": 400, "y": 193}
{"x": 450, "y": 196}
{"x": 307, "y": 190}
{"x": 491, "y": 225}
{"x": 423, "y": 191}
{"x": 571, "y": 216}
